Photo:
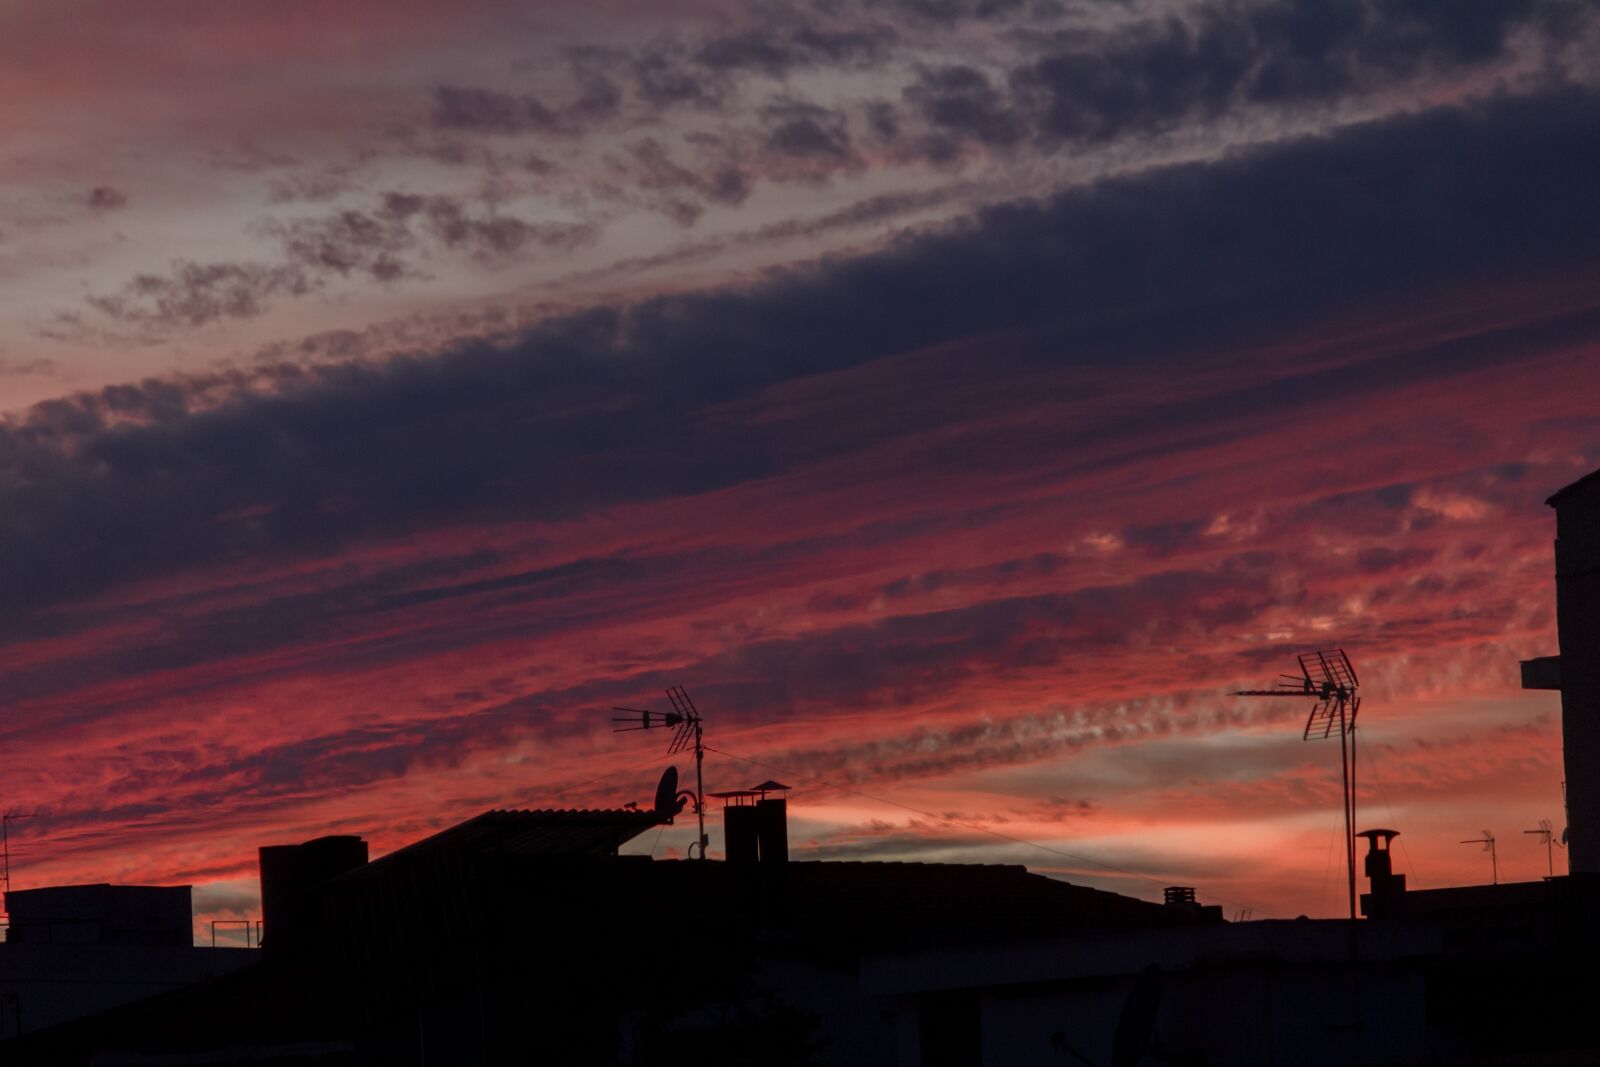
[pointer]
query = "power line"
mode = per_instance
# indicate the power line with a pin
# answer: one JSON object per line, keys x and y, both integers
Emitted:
{"x": 1327, "y": 870}
{"x": 968, "y": 826}
{"x": 616, "y": 771}
{"x": 1372, "y": 762}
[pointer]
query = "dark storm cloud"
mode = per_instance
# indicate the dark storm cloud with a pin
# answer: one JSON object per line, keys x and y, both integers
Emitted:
{"x": 1150, "y": 77}
{"x": 574, "y": 415}
{"x": 1152, "y": 74}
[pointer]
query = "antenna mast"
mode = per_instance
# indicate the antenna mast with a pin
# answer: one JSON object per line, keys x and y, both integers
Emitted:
{"x": 1329, "y": 679}
{"x": 1547, "y": 834}
{"x": 1487, "y": 841}
{"x": 687, "y": 731}
{"x": 5, "y": 841}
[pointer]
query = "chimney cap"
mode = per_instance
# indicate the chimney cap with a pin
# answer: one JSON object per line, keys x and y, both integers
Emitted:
{"x": 755, "y": 792}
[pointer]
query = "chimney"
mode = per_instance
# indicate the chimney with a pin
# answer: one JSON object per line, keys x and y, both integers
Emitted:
{"x": 740, "y": 833}
{"x": 1577, "y": 672}
{"x": 1181, "y": 899}
{"x": 1388, "y": 890}
{"x": 755, "y": 826}
{"x": 289, "y": 873}
{"x": 772, "y": 829}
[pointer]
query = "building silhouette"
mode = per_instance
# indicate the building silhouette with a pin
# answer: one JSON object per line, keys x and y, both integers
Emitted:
{"x": 78, "y": 949}
{"x": 525, "y": 937}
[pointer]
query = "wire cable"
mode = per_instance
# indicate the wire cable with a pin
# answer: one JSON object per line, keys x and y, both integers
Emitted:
{"x": 1327, "y": 870}
{"x": 613, "y": 773}
{"x": 1075, "y": 857}
{"x": 1372, "y": 763}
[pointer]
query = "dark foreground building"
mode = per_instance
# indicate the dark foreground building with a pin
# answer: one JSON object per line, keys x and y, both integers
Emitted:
{"x": 523, "y": 937}
{"x": 74, "y": 950}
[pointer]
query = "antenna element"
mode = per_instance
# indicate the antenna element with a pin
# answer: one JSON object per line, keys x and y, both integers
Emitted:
{"x": 1547, "y": 838}
{"x": 5, "y": 842}
{"x": 1487, "y": 841}
{"x": 1328, "y": 679}
{"x": 687, "y": 732}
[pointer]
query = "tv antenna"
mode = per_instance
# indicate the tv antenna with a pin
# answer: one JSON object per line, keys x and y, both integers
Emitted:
{"x": 5, "y": 841}
{"x": 1329, "y": 679}
{"x": 1487, "y": 841}
{"x": 687, "y": 732}
{"x": 1547, "y": 838}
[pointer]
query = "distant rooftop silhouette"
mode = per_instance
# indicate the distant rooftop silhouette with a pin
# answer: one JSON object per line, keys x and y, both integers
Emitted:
{"x": 101, "y": 914}
{"x": 541, "y": 832}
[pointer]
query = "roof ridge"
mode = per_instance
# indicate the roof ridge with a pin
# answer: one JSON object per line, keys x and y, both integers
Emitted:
{"x": 610, "y": 812}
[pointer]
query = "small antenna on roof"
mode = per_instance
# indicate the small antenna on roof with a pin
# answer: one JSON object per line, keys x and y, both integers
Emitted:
{"x": 1487, "y": 841}
{"x": 1547, "y": 837}
{"x": 1329, "y": 679}
{"x": 687, "y": 731}
{"x": 5, "y": 840}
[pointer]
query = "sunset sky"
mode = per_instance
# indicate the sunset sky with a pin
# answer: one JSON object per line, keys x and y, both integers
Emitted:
{"x": 959, "y": 397}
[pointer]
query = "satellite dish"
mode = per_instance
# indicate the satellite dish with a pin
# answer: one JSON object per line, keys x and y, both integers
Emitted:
{"x": 668, "y": 803}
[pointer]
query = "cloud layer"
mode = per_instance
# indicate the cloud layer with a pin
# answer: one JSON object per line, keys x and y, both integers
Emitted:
{"x": 986, "y": 517}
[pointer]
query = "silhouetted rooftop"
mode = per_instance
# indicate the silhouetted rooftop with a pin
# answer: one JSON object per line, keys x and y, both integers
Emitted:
{"x": 889, "y": 902}
{"x": 1588, "y": 481}
{"x": 954, "y": 886}
{"x": 545, "y": 832}
{"x": 101, "y": 914}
